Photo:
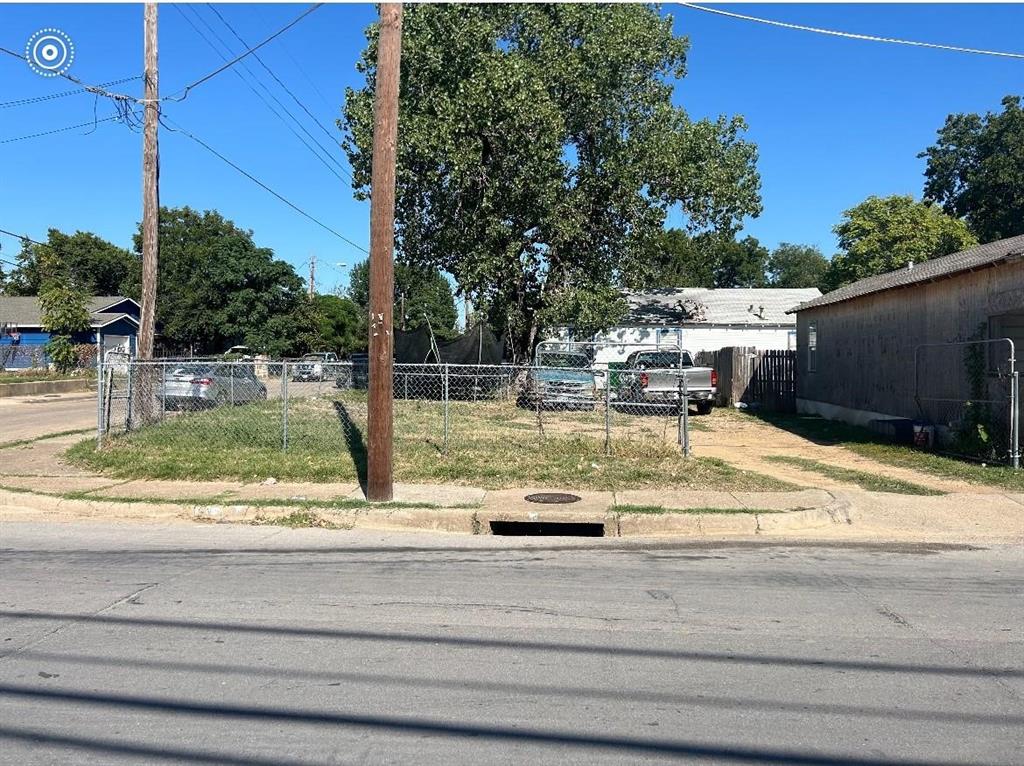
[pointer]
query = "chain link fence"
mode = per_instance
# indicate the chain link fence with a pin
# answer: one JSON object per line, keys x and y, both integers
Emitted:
{"x": 322, "y": 406}
{"x": 968, "y": 395}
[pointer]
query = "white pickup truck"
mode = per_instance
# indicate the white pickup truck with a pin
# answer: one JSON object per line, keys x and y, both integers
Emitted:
{"x": 653, "y": 377}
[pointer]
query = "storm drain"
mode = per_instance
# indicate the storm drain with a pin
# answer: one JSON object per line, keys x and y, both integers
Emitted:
{"x": 552, "y": 498}
{"x": 548, "y": 528}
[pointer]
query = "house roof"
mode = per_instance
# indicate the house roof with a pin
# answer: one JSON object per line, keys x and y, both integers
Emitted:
{"x": 937, "y": 268}
{"x": 26, "y": 312}
{"x": 719, "y": 306}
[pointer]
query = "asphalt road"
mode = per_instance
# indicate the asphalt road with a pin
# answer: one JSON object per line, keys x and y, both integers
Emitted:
{"x": 256, "y": 645}
{"x": 27, "y": 417}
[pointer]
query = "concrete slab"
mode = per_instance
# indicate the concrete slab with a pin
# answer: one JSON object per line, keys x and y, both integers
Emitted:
{"x": 230, "y": 491}
{"x": 58, "y": 484}
{"x": 512, "y": 501}
{"x": 671, "y": 498}
{"x": 443, "y": 495}
{"x": 659, "y": 525}
{"x": 785, "y": 501}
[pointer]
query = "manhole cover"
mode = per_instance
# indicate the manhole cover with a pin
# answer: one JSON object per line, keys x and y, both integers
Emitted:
{"x": 552, "y": 498}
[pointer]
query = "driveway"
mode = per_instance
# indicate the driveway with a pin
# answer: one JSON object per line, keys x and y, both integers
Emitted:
{"x": 219, "y": 644}
{"x": 28, "y": 417}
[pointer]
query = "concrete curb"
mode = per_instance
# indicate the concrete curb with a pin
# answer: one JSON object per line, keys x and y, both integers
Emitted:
{"x": 445, "y": 520}
{"x": 37, "y": 387}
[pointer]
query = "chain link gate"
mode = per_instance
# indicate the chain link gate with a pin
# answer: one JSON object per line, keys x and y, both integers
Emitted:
{"x": 968, "y": 392}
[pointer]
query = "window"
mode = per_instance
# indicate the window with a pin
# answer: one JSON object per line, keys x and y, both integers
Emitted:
{"x": 812, "y": 347}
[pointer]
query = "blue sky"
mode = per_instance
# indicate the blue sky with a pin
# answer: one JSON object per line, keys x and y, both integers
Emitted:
{"x": 835, "y": 120}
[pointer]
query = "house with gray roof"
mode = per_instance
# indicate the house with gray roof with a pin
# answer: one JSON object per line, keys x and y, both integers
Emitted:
{"x": 906, "y": 344}
{"x": 701, "y": 319}
{"x": 113, "y": 320}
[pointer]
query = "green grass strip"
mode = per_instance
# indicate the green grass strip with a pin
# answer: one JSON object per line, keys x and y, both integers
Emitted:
{"x": 869, "y": 481}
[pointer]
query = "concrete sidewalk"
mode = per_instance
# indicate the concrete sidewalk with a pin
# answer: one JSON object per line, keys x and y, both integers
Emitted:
{"x": 814, "y": 513}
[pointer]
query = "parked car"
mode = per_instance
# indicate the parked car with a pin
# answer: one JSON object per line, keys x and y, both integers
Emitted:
{"x": 320, "y": 365}
{"x": 653, "y": 377}
{"x": 560, "y": 380}
{"x": 197, "y": 385}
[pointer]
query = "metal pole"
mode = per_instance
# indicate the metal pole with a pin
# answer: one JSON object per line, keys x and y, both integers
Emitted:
{"x": 231, "y": 384}
{"x": 284, "y": 406}
{"x": 1015, "y": 418}
{"x": 684, "y": 415}
{"x": 608, "y": 410}
{"x": 99, "y": 391}
{"x": 445, "y": 387}
{"x": 163, "y": 390}
{"x": 131, "y": 396}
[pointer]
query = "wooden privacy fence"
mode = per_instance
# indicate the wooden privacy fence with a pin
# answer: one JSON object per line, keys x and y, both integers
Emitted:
{"x": 763, "y": 378}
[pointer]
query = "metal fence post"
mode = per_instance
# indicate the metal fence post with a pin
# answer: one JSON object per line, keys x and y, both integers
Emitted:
{"x": 284, "y": 406}
{"x": 163, "y": 390}
{"x": 131, "y": 397}
{"x": 684, "y": 415}
{"x": 446, "y": 405}
{"x": 608, "y": 411}
{"x": 1015, "y": 419}
{"x": 99, "y": 401}
{"x": 231, "y": 382}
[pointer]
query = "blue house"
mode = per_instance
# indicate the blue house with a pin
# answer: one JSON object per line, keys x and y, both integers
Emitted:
{"x": 114, "y": 322}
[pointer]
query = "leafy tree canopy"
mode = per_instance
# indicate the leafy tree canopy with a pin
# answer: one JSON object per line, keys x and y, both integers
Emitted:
{"x": 93, "y": 265}
{"x": 340, "y": 325}
{"x": 539, "y": 150}
{"x": 976, "y": 170}
{"x": 64, "y": 308}
{"x": 422, "y": 290}
{"x": 886, "y": 233}
{"x": 797, "y": 266}
{"x": 706, "y": 260}
{"x": 216, "y": 288}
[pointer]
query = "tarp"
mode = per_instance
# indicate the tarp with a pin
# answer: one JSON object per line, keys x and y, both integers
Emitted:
{"x": 477, "y": 346}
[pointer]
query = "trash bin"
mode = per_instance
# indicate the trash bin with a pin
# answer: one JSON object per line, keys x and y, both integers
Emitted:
{"x": 924, "y": 436}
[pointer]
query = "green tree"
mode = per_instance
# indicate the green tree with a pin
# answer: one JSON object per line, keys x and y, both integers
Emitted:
{"x": 739, "y": 263}
{"x": 679, "y": 260}
{"x": 423, "y": 291}
{"x": 793, "y": 265}
{"x": 976, "y": 170}
{"x": 340, "y": 325}
{"x": 886, "y": 233}
{"x": 95, "y": 266}
{"x": 540, "y": 151}
{"x": 217, "y": 288}
{"x": 64, "y": 309}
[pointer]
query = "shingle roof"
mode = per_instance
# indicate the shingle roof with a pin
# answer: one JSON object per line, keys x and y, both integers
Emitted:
{"x": 937, "y": 268}
{"x": 25, "y": 311}
{"x": 721, "y": 306}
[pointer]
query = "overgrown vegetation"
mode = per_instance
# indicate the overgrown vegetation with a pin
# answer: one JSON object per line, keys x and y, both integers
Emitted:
{"x": 492, "y": 444}
{"x": 870, "y": 481}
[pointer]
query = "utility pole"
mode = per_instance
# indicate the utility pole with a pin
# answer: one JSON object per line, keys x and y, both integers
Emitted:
{"x": 379, "y": 478}
{"x": 312, "y": 276}
{"x": 150, "y": 187}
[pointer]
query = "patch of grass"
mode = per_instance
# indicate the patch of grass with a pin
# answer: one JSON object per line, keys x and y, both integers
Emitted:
{"x": 43, "y": 375}
{"x": 659, "y": 509}
{"x": 296, "y": 520}
{"x": 866, "y": 443}
{"x": 869, "y": 481}
{"x": 34, "y": 439}
{"x": 492, "y": 445}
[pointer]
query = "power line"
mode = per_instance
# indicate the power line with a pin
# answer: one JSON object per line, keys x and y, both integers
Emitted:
{"x": 62, "y": 94}
{"x": 21, "y": 237}
{"x": 61, "y": 130}
{"x": 313, "y": 117}
{"x": 851, "y": 35}
{"x": 255, "y": 79}
{"x": 289, "y": 203}
{"x": 185, "y": 91}
{"x": 118, "y": 98}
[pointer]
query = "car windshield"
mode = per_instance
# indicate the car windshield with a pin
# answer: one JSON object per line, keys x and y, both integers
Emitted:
{"x": 192, "y": 369}
{"x": 313, "y": 357}
{"x": 562, "y": 359}
{"x": 663, "y": 359}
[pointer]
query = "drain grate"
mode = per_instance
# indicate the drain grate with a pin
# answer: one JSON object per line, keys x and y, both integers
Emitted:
{"x": 552, "y": 498}
{"x": 547, "y": 528}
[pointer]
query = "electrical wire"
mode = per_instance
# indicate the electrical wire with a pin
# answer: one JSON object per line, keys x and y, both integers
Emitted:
{"x": 850, "y": 35}
{"x": 20, "y": 237}
{"x": 62, "y": 94}
{"x": 91, "y": 123}
{"x": 323, "y": 152}
{"x": 178, "y": 129}
{"x": 331, "y": 137}
{"x": 185, "y": 90}
{"x": 118, "y": 98}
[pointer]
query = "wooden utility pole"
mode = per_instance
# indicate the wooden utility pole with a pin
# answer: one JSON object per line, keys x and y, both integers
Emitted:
{"x": 150, "y": 187}
{"x": 312, "y": 276}
{"x": 379, "y": 479}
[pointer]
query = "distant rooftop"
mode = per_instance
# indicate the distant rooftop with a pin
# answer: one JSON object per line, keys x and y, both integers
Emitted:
{"x": 24, "y": 311}
{"x": 926, "y": 271}
{"x": 719, "y": 306}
